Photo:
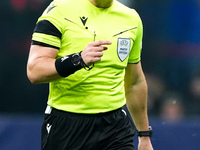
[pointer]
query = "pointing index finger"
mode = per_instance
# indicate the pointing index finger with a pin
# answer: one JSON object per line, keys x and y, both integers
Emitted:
{"x": 102, "y": 42}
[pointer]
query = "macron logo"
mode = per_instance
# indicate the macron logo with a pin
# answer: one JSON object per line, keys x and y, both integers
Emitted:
{"x": 84, "y": 20}
{"x": 48, "y": 127}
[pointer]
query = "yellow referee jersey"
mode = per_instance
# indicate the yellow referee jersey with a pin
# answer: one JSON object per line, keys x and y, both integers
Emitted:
{"x": 69, "y": 25}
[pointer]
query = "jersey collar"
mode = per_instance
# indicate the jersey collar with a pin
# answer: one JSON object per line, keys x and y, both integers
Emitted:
{"x": 90, "y": 7}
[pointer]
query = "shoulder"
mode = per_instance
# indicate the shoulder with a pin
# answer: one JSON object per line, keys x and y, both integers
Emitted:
{"x": 56, "y": 12}
{"x": 57, "y": 6}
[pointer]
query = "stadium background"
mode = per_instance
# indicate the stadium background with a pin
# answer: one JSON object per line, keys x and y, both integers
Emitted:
{"x": 171, "y": 62}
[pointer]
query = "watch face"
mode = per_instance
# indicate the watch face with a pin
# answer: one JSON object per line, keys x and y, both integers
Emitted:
{"x": 76, "y": 59}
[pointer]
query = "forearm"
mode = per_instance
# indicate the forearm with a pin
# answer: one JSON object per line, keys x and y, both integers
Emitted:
{"x": 137, "y": 105}
{"x": 136, "y": 96}
{"x": 136, "y": 100}
{"x": 42, "y": 66}
{"x": 42, "y": 70}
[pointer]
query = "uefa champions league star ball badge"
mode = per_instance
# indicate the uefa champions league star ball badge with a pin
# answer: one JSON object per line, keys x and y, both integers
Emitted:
{"x": 123, "y": 48}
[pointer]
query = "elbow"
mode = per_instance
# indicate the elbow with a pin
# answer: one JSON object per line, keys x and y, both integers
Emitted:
{"x": 31, "y": 76}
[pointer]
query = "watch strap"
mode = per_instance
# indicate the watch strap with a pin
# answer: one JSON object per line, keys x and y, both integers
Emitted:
{"x": 84, "y": 65}
{"x": 148, "y": 133}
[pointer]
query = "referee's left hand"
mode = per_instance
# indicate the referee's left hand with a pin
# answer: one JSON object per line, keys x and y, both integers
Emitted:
{"x": 145, "y": 143}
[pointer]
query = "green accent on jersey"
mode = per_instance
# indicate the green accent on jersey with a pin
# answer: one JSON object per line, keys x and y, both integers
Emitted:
{"x": 102, "y": 88}
{"x": 48, "y": 39}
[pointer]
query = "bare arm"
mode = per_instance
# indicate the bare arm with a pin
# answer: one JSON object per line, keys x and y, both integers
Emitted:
{"x": 41, "y": 64}
{"x": 136, "y": 95}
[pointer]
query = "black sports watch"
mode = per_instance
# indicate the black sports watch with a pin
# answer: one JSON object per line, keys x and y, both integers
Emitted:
{"x": 76, "y": 59}
{"x": 145, "y": 133}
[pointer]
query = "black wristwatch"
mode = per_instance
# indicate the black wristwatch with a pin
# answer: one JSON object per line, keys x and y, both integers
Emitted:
{"x": 148, "y": 133}
{"x": 76, "y": 59}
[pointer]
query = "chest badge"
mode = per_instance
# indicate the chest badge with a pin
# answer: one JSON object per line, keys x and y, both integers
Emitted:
{"x": 123, "y": 48}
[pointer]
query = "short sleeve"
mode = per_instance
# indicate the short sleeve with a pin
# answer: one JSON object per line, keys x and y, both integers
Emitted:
{"x": 48, "y": 30}
{"x": 135, "y": 53}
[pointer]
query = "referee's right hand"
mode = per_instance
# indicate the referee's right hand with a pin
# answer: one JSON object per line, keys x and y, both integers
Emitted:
{"x": 94, "y": 51}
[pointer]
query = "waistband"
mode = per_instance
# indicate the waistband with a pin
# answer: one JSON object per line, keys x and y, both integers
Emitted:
{"x": 51, "y": 110}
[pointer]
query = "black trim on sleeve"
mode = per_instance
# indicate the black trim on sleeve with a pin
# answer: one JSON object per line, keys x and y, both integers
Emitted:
{"x": 134, "y": 63}
{"x": 43, "y": 44}
{"x": 46, "y": 27}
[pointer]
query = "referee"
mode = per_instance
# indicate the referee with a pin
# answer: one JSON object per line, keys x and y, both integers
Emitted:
{"x": 89, "y": 51}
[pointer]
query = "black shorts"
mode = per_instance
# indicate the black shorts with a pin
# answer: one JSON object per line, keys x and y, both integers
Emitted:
{"x": 70, "y": 131}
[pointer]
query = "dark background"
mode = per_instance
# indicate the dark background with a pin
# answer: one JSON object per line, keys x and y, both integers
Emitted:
{"x": 170, "y": 56}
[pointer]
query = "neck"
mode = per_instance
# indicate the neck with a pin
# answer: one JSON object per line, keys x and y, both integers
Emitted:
{"x": 102, "y": 3}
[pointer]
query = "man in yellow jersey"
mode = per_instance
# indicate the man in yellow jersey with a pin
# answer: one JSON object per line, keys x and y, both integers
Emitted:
{"x": 89, "y": 53}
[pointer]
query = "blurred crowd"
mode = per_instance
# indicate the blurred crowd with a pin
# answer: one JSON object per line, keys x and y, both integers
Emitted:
{"x": 170, "y": 56}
